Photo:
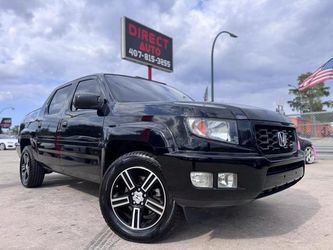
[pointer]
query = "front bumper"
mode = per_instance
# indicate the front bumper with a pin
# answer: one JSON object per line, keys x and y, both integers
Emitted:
{"x": 10, "y": 146}
{"x": 258, "y": 176}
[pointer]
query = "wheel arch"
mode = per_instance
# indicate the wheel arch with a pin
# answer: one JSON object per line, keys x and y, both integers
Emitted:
{"x": 23, "y": 143}
{"x": 121, "y": 140}
{"x": 26, "y": 139}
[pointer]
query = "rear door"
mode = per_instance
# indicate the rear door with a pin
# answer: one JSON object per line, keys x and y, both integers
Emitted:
{"x": 81, "y": 135}
{"x": 48, "y": 140}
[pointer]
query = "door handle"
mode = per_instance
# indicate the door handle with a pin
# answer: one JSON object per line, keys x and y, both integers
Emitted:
{"x": 64, "y": 124}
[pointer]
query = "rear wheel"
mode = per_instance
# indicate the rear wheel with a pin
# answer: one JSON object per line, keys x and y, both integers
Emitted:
{"x": 134, "y": 200}
{"x": 309, "y": 155}
{"x": 2, "y": 146}
{"x": 31, "y": 173}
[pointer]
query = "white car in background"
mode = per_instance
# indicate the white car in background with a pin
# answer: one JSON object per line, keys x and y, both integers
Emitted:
{"x": 7, "y": 142}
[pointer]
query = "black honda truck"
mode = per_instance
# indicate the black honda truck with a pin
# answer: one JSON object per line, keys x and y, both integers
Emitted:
{"x": 154, "y": 150}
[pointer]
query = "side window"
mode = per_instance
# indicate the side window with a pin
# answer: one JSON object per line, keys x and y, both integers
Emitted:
{"x": 86, "y": 87}
{"x": 59, "y": 99}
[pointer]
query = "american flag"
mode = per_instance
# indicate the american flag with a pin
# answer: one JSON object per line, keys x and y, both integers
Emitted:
{"x": 323, "y": 73}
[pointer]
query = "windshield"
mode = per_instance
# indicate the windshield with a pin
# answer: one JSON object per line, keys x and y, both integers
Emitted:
{"x": 130, "y": 89}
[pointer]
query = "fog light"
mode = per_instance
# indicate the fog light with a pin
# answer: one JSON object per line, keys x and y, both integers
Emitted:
{"x": 202, "y": 179}
{"x": 227, "y": 180}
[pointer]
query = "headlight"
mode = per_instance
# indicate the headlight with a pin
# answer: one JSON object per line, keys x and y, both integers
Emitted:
{"x": 216, "y": 129}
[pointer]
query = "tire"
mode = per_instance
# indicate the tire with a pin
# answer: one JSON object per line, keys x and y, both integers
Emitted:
{"x": 2, "y": 146}
{"x": 309, "y": 155}
{"x": 142, "y": 209}
{"x": 31, "y": 173}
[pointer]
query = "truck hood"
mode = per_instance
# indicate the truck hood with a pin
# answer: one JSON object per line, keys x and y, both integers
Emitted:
{"x": 200, "y": 109}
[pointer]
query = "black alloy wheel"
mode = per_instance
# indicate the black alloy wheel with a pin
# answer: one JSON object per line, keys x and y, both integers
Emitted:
{"x": 25, "y": 168}
{"x": 141, "y": 205}
{"x": 134, "y": 200}
{"x": 31, "y": 173}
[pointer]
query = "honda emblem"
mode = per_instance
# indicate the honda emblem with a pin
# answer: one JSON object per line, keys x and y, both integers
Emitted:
{"x": 282, "y": 138}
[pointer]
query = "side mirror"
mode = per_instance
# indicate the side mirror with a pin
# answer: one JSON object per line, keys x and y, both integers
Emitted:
{"x": 88, "y": 101}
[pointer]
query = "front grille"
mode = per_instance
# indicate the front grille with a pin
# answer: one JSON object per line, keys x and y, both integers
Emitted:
{"x": 268, "y": 141}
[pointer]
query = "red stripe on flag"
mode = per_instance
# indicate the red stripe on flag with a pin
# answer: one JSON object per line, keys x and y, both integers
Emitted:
{"x": 320, "y": 80}
{"x": 314, "y": 77}
{"x": 317, "y": 81}
{"x": 323, "y": 73}
{"x": 317, "y": 77}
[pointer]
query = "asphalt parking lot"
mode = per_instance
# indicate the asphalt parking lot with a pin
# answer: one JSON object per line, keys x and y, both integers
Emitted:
{"x": 64, "y": 214}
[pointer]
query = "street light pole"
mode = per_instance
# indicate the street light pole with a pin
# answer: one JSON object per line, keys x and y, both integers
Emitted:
{"x": 212, "y": 60}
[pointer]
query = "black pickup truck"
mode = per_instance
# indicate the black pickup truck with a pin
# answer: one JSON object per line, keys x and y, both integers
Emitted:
{"x": 154, "y": 150}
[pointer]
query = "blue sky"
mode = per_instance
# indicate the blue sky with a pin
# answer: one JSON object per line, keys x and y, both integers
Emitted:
{"x": 46, "y": 43}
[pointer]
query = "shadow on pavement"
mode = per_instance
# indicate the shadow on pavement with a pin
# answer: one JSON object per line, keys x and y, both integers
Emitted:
{"x": 55, "y": 180}
{"x": 274, "y": 215}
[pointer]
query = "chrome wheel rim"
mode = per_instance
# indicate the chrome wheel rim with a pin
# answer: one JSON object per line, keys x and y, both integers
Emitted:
{"x": 2, "y": 146}
{"x": 309, "y": 156}
{"x": 25, "y": 168}
{"x": 138, "y": 198}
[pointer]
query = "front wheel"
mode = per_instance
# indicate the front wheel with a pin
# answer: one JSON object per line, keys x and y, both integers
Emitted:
{"x": 134, "y": 200}
{"x": 2, "y": 146}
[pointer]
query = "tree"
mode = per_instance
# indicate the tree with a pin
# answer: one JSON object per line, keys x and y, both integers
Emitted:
{"x": 309, "y": 100}
{"x": 15, "y": 130}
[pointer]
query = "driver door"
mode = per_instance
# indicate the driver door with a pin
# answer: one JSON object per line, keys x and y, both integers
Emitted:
{"x": 82, "y": 133}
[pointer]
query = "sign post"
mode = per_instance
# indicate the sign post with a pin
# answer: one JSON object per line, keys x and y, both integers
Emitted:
{"x": 150, "y": 72}
{"x": 146, "y": 46}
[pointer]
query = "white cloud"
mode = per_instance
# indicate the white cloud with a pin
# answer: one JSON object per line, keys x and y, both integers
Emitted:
{"x": 5, "y": 95}
{"x": 43, "y": 44}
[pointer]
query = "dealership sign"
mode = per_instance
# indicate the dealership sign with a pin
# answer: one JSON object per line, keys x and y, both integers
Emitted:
{"x": 146, "y": 46}
{"x": 6, "y": 123}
